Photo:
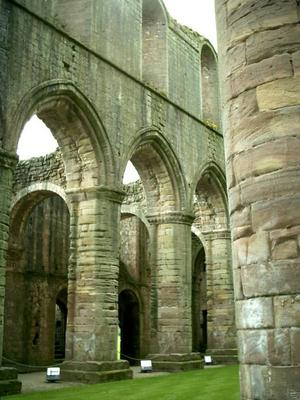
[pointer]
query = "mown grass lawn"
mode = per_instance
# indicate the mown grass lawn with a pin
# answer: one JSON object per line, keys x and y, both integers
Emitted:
{"x": 208, "y": 384}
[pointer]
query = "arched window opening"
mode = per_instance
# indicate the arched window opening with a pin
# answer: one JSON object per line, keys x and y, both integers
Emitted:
{"x": 36, "y": 140}
{"x": 155, "y": 62}
{"x": 130, "y": 175}
{"x": 129, "y": 320}
{"x": 210, "y": 88}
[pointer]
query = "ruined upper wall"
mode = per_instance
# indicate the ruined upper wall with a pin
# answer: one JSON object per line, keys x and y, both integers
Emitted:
{"x": 49, "y": 168}
{"x": 111, "y": 28}
{"x": 140, "y": 38}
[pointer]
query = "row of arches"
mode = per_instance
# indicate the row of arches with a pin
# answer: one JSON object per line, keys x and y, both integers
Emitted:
{"x": 87, "y": 155}
{"x": 38, "y": 266}
{"x": 92, "y": 194}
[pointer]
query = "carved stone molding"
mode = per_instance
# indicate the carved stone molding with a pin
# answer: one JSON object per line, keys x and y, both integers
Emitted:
{"x": 173, "y": 217}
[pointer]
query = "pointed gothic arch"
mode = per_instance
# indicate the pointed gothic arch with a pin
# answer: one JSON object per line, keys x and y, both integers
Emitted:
{"x": 76, "y": 126}
{"x": 160, "y": 172}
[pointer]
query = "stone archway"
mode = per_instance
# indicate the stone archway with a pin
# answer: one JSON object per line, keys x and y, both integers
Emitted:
{"x": 38, "y": 252}
{"x": 135, "y": 271}
{"x": 76, "y": 126}
{"x": 211, "y": 225}
{"x": 170, "y": 223}
{"x": 94, "y": 199}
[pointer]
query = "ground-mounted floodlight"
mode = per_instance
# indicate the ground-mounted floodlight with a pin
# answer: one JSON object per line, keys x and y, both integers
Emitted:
{"x": 146, "y": 366}
{"x": 53, "y": 374}
{"x": 208, "y": 360}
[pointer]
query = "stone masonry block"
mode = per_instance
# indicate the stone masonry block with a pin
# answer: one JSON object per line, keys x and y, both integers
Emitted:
{"x": 266, "y": 158}
{"x": 265, "y": 346}
{"x": 287, "y": 311}
{"x": 257, "y": 129}
{"x": 263, "y": 279}
{"x": 250, "y": 16}
{"x": 253, "y": 346}
{"x": 270, "y": 186}
{"x": 236, "y": 58}
{"x": 295, "y": 345}
{"x": 285, "y": 233}
{"x": 267, "y": 70}
{"x": 296, "y": 63}
{"x": 280, "y": 93}
{"x": 264, "y": 44}
{"x": 258, "y": 248}
{"x": 254, "y": 313}
{"x": 267, "y": 382}
{"x": 240, "y": 251}
{"x": 284, "y": 250}
{"x": 278, "y": 345}
{"x": 279, "y": 213}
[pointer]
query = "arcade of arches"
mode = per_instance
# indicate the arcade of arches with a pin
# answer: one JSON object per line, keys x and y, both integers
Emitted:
{"x": 85, "y": 259}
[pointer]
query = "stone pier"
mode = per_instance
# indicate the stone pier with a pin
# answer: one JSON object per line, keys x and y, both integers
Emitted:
{"x": 172, "y": 284}
{"x": 8, "y": 376}
{"x": 92, "y": 329}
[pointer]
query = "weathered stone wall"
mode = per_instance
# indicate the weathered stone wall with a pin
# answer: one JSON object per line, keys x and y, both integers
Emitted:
{"x": 259, "y": 50}
{"x": 40, "y": 169}
{"x": 69, "y": 61}
{"x": 81, "y": 72}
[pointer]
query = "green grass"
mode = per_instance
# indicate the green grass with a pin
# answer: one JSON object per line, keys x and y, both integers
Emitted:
{"x": 208, "y": 384}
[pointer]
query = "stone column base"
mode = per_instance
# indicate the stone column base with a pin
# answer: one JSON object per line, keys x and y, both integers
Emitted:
{"x": 223, "y": 356}
{"x": 9, "y": 383}
{"x": 95, "y": 371}
{"x": 176, "y": 362}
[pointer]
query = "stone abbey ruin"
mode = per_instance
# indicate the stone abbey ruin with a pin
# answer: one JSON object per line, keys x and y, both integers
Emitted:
{"x": 182, "y": 262}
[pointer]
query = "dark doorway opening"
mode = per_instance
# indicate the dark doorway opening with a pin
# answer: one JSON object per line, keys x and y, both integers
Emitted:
{"x": 129, "y": 320}
{"x": 61, "y": 312}
{"x": 199, "y": 304}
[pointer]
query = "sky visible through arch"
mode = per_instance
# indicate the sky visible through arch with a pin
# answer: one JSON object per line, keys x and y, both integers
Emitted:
{"x": 36, "y": 139}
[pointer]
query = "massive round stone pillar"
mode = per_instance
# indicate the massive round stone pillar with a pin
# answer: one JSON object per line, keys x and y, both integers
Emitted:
{"x": 92, "y": 328}
{"x": 8, "y": 376}
{"x": 172, "y": 292}
{"x": 259, "y": 51}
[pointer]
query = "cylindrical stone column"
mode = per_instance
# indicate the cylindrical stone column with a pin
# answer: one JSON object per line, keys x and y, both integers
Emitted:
{"x": 172, "y": 292}
{"x": 221, "y": 331}
{"x": 92, "y": 328}
{"x": 8, "y": 376}
{"x": 260, "y": 69}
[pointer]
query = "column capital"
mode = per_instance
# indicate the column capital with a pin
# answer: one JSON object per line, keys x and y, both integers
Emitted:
{"x": 96, "y": 192}
{"x": 217, "y": 234}
{"x": 8, "y": 160}
{"x": 172, "y": 217}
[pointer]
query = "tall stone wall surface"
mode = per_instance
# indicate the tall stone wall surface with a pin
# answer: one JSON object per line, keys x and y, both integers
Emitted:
{"x": 260, "y": 74}
{"x": 81, "y": 70}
